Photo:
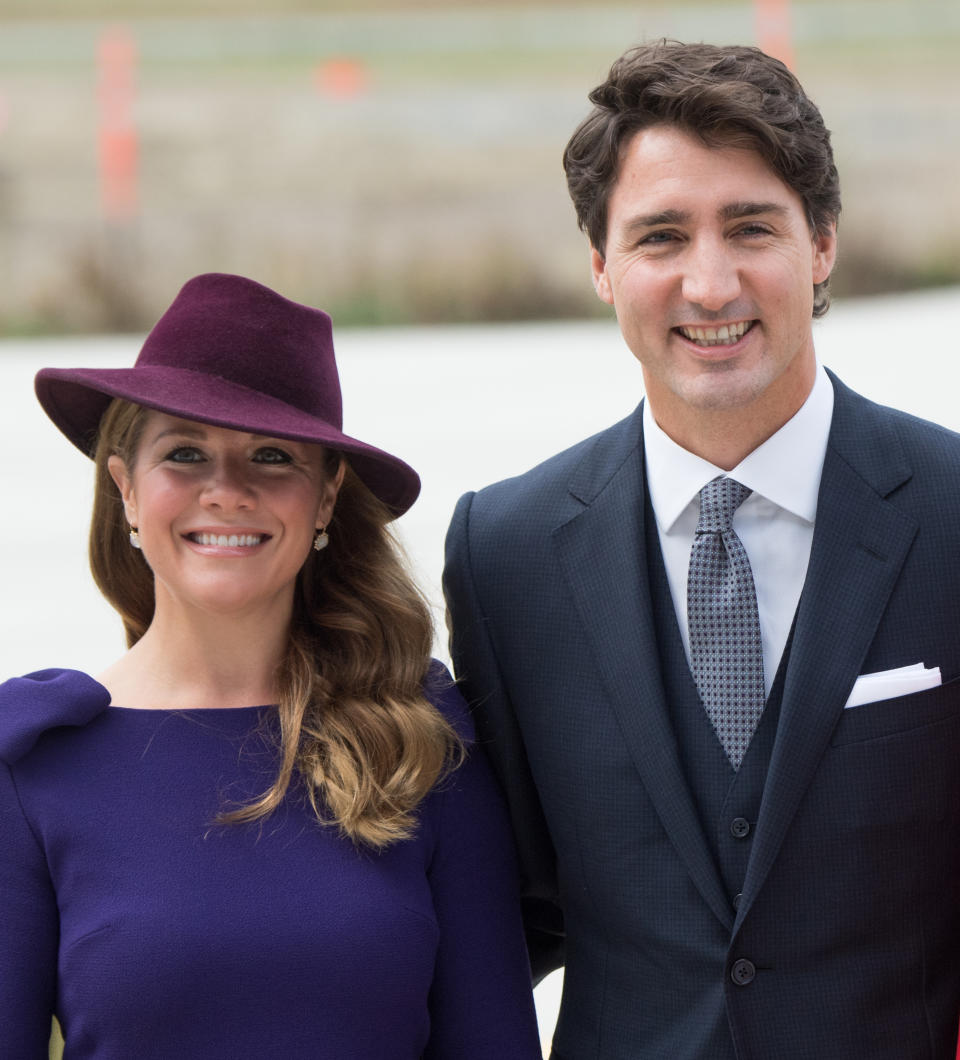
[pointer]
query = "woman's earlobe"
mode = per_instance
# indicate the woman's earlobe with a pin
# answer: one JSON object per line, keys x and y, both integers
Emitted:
{"x": 333, "y": 491}
{"x": 121, "y": 477}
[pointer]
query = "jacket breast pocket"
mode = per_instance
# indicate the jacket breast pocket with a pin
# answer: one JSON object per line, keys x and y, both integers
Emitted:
{"x": 894, "y": 764}
{"x": 888, "y": 718}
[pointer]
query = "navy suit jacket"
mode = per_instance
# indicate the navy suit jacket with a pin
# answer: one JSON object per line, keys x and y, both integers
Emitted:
{"x": 850, "y": 911}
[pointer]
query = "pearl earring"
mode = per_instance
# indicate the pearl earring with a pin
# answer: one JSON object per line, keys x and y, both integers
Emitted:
{"x": 135, "y": 537}
{"x": 321, "y": 540}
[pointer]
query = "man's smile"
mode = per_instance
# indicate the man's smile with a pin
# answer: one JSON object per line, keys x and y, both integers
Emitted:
{"x": 724, "y": 335}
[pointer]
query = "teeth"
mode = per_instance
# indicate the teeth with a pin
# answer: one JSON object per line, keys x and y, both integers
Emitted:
{"x": 228, "y": 540}
{"x": 725, "y": 335}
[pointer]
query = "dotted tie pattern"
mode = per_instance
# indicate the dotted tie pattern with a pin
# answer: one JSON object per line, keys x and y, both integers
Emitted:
{"x": 725, "y": 649}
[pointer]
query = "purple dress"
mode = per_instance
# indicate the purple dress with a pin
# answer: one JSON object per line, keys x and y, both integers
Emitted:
{"x": 152, "y": 932}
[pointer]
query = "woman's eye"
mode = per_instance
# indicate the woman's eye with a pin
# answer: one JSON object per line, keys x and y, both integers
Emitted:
{"x": 271, "y": 455}
{"x": 184, "y": 454}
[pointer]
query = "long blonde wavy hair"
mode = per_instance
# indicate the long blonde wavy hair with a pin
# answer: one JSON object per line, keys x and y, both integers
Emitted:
{"x": 355, "y": 726}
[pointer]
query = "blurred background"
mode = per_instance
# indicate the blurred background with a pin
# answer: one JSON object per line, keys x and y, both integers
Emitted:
{"x": 397, "y": 161}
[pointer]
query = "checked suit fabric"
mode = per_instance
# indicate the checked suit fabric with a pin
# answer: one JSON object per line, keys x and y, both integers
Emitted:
{"x": 726, "y": 654}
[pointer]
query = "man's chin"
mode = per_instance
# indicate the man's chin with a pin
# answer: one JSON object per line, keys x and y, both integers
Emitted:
{"x": 730, "y": 391}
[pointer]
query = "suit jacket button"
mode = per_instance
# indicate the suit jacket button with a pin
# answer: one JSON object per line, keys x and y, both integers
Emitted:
{"x": 739, "y": 828}
{"x": 735, "y": 900}
{"x": 743, "y": 972}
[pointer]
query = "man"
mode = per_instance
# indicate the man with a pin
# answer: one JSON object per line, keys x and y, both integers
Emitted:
{"x": 737, "y": 844}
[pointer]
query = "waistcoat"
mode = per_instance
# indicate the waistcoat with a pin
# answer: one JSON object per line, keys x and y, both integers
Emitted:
{"x": 728, "y": 801}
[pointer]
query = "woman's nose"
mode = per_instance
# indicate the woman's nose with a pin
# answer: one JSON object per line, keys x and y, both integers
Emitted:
{"x": 229, "y": 487}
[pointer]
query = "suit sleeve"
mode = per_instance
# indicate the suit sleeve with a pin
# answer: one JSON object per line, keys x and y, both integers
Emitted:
{"x": 480, "y": 679}
{"x": 28, "y": 934}
{"x": 481, "y": 1000}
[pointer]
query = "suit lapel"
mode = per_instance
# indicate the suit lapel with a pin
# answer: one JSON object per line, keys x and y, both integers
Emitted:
{"x": 602, "y": 553}
{"x": 860, "y": 543}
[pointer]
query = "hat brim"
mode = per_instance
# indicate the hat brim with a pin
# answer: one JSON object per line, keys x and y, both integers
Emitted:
{"x": 76, "y": 399}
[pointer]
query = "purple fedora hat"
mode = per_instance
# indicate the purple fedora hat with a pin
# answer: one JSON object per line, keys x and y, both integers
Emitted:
{"x": 232, "y": 353}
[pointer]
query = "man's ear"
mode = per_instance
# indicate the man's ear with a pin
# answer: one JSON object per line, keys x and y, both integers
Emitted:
{"x": 601, "y": 282}
{"x": 824, "y": 253}
{"x": 121, "y": 476}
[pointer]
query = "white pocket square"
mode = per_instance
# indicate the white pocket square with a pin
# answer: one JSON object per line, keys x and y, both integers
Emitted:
{"x": 888, "y": 684}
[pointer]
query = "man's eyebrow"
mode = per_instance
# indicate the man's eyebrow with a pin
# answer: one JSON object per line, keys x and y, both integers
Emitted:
{"x": 734, "y": 211}
{"x": 652, "y": 220}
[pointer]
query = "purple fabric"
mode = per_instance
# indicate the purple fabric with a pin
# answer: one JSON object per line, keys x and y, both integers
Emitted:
{"x": 153, "y": 933}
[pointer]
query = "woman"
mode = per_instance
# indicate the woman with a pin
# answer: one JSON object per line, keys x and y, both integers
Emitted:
{"x": 256, "y": 834}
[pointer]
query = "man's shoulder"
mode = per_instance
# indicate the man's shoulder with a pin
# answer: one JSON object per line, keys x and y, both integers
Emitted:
{"x": 546, "y": 488}
{"x": 912, "y": 463}
{"x": 864, "y": 425}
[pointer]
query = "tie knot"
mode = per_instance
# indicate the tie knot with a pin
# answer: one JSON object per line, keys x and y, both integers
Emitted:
{"x": 719, "y": 499}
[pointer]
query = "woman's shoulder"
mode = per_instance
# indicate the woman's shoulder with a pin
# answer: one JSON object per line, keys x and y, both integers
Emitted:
{"x": 442, "y": 691}
{"x": 48, "y": 699}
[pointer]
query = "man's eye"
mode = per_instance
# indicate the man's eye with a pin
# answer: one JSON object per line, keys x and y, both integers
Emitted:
{"x": 271, "y": 455}
{"x": 656, "y": 238}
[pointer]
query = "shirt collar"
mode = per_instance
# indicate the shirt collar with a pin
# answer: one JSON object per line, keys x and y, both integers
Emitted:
{"x": 786, "y": 468}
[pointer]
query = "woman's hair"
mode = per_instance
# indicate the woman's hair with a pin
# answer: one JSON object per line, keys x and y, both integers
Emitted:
{"x": 728, "y": 96}
{"x": 355, "y": 727}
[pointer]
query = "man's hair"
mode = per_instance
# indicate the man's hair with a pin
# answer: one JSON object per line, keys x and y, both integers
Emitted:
{"x": 726, "y": 97}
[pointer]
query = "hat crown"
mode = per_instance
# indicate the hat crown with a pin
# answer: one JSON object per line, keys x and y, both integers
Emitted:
{"x": 240, "y": 331}
{"x": 235, "y": 354}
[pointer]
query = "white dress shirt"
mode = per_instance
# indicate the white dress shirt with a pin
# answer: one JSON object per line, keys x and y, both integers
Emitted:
{"x": 775, "y": 523}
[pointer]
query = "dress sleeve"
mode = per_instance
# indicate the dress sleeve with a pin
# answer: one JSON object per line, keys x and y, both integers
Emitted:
{"x": 28, "y": 933}
{"x": 481, "y": 1001}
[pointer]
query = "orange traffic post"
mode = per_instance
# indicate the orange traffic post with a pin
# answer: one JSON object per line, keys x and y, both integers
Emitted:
{"x": 341, "y": 78}
{"x": 116, "y": 65}
{"x": 775, "y": 29}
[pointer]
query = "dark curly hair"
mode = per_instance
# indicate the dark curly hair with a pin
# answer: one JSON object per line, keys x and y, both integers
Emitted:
{"x": 725, "y": 96}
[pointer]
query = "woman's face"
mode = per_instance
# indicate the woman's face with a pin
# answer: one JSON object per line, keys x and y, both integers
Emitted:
{"x": 226, "y": 519}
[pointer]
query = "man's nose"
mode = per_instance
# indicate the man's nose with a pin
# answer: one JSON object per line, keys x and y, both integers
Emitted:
{"x": 711, "y": 277}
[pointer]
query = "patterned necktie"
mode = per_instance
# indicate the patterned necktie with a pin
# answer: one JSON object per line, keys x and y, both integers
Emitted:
{"x": 726, "y": 655}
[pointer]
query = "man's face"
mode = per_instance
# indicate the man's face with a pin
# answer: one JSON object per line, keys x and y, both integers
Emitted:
{"x": 710, "y": 265}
